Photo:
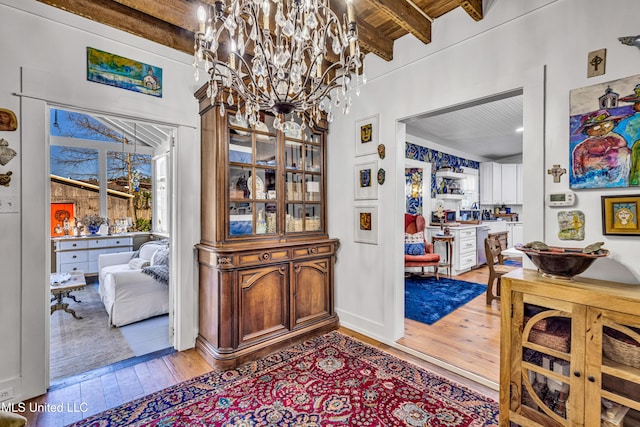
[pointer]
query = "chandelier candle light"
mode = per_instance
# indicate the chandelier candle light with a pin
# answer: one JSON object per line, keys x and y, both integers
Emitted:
{"x": 303, "y": 62}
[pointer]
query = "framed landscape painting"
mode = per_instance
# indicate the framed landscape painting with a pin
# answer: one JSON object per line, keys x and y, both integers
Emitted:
{"x": 113, "y": 70}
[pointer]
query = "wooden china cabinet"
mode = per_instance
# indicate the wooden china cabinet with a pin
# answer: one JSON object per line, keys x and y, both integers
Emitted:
{"x": 570, "y": 352}
{"x": 265, "y": 260}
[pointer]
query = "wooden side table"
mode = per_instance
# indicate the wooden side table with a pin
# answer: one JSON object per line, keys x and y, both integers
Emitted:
{"x": 64, "y": 289}
{"x": 448, "y": 241}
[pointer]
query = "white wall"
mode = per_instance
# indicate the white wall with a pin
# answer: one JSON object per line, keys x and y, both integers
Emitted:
{"x": 539, "y": 46}
{"x": 44, "y": 63}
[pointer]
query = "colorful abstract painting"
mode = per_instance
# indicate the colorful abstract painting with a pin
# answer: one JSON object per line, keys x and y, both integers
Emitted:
{"x": 604, "y": 135}
{"x": 113, "y": 70}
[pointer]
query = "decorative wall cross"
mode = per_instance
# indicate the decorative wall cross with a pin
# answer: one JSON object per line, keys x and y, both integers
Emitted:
{"x": 557, "y": 172}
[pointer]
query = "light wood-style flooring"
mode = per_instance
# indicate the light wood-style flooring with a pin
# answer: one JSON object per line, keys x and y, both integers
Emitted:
{"x": 109, "y": 387}
{"x": 468, "y": 338}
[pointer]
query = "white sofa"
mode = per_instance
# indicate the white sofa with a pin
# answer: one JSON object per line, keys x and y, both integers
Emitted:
{"x": 128, "y": 294}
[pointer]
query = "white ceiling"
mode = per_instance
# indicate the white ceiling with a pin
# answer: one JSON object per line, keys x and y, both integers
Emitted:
{"x": 485, "y": 128}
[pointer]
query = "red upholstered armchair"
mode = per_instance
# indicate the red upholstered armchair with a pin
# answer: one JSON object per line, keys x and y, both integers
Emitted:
{"x": 415, "y": 224}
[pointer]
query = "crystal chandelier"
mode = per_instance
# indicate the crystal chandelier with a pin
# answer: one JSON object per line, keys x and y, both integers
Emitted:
{"x": 303, "y": 59}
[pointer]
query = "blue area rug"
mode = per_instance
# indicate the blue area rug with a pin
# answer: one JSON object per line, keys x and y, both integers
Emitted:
{"x": 427, "y": 300}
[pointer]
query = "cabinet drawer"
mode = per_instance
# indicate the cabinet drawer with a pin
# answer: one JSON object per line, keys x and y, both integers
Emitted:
{"x": 254, "y": 258}
{"x": 118, "y": 241}
{"x": 96, "y": 243}
{"x": 74, "y": 266}
{"x": 466, "y": 234}
{"x": 467, "y": 245}
{"x": 467, "y": 259}
{"x": 72, "y": 256}
{"x": 312, "y": 251}
{"x": 72, "y": 244}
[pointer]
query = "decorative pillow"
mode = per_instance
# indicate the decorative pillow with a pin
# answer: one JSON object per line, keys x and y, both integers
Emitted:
{"x": 138, "y": 263}
{"x": 160, "y": 257}
{"x": 147, "y": 251}
{"x": 414, "y": 244}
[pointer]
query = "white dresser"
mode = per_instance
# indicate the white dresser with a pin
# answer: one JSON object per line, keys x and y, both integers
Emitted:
{"x": 81, "y": 253}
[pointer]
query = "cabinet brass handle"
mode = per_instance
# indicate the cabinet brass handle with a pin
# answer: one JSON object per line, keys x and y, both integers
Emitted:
{"x": 576, "y": 373}
{"x": 265, "y": 256}
{"x": 312, "y": 250}
{"x": 591, "y": 379}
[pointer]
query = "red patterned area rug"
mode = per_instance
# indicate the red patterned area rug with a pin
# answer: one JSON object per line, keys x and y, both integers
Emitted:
{"x": 331, "y": 380}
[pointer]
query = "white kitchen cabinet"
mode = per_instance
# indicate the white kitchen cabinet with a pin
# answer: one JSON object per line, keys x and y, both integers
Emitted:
{"x": 500, "y": 184}
{"x": 464, "y": 248}
{"x": 515, "y": 233}
{"x": 509, "y": 184}
{"x": 490, "y": 183}
{"x": 519, "y": 186}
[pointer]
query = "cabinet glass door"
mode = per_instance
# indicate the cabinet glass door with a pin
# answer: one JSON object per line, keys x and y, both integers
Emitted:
{"x": 303, "y": 181}
{"x": 546, "y": 362}
{"x": 616, "y": 380}
{"x": 252, "y": 177}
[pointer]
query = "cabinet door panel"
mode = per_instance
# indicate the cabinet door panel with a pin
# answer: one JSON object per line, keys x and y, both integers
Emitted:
{"x": 552, "y": 369}
{"x": 263, "y": 308}
{"x": 311, "y": 291}
{"x": 612, "y": 362}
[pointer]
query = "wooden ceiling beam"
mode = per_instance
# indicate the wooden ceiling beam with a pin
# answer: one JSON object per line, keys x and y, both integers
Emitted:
{"x": 119, "y": 16}
{"x": 406, "y": 16}
{"x": 473, "y": 8}
{"x": 181, "y": 13}
{"x": 368, "y": 37}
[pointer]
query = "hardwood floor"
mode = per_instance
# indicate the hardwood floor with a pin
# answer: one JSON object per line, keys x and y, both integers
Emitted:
{"x": 109, "y": 387}
{"x": 468, "y": 338}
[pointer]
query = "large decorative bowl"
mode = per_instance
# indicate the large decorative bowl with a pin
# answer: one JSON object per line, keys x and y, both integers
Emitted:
{"x": 562, "y": 263}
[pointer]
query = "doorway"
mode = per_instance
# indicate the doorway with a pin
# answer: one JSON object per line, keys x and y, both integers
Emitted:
{"x": 112, "y": 173}
{"x": 485, "y": 130}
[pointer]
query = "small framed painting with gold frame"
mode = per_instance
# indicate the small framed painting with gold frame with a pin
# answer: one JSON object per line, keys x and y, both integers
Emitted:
{"x": 620, "y": 215}
{"x": 367, "y": 131}
{"x": 366, "y": 224}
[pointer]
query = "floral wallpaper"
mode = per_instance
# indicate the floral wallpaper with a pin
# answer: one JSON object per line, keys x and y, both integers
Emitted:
{"x": 438, "y": 160}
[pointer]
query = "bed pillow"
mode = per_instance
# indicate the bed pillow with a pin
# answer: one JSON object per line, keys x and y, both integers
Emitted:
{"x": 414, "y": 244}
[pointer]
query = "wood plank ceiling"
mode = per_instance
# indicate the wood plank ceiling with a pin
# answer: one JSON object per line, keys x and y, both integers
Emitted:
{"x": 173, "y": 22}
